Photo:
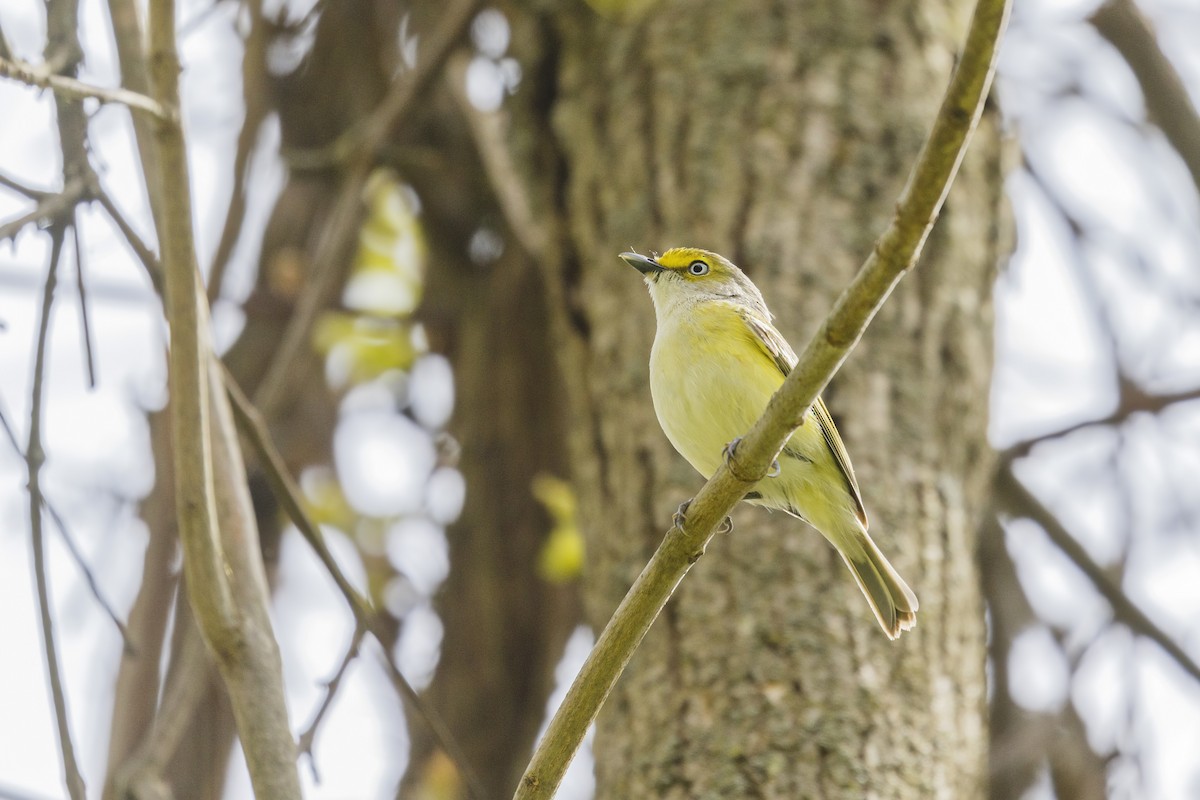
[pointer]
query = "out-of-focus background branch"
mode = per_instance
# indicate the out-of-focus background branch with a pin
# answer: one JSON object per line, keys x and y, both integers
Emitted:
{"x": 1096, "y": 520}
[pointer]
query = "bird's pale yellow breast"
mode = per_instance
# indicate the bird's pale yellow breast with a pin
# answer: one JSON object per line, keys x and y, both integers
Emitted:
{"x": 710, "y": 381}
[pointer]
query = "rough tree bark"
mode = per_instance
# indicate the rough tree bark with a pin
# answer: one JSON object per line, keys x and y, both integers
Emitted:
{"x": 779, "y": 134}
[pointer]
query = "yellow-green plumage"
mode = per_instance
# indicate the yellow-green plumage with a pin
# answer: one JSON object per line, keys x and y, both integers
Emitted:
{"x": 715, "y": 363}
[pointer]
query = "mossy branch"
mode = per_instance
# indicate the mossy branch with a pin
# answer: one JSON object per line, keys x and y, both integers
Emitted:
{"x": 895, "y": 252}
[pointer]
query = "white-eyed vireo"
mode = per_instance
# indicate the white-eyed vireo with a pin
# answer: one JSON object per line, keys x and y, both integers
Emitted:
{"x": 715, "y": 363}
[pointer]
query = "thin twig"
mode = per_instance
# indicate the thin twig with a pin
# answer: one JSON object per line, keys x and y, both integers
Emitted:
{"x": 361, "y": 146}
{"x": 1017, "y": 501}
{"x": 304, "y": 745}
{"x": 895, "y": 252}
{"x": 88, "y": 575}
{"x": 136, "y": 243}
{"x": 20, "y": 188}
{"x": 41, "y": 77}
{"x": 85, "y": 325}
{"x": 34, "y": 458}
{"x": 68, "y": 539}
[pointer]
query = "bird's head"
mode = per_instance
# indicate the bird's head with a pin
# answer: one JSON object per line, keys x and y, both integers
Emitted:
{"x": 684, "y": 276}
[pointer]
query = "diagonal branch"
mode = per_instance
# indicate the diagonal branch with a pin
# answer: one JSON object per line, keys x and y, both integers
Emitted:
{"x": 1018, "y": 501}
{"x": 304, "y": 745}
{"x": 896, "y": 251}
{"x": 41, "y": 77}
{"x": 1168, "y": 103}
{"x": 135, "y": 242}
{"x": 256, "y": 108}
{"x": 20, "y": 188}
{"x": 69, "y": 541}
{"x": 80, "y": 286}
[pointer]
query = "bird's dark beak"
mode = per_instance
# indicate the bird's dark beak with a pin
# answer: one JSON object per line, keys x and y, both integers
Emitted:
{"x": 643, "y": 264}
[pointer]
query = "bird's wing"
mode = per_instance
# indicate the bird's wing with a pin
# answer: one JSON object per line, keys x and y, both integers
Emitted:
{"x": 777, "y": 348}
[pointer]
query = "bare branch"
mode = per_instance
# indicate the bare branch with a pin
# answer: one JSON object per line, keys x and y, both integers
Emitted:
{"x": 222, "y": 563}
{"x": 34, "y": 458}
{"x": 1168, "y": 103}
{"x": 254, "y": 103}
{"x": 1018, "y": 501}
{"x": 1132, "y": 401}
{"x": 41, "y": 77}
{"x": 896, "y": 251}
{"x": 49, "y": 207}
{"x": 138, "y": 682}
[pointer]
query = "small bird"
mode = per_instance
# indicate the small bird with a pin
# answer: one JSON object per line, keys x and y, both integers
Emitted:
{"x": 715, "y": 363}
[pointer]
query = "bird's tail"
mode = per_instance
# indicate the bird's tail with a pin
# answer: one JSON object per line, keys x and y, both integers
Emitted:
{"x": 894, "y": 604}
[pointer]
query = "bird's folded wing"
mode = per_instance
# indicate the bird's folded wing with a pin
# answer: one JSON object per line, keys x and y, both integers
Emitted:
{"x": 777, "y": 348}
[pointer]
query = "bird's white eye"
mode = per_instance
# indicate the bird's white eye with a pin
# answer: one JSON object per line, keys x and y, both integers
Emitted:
{"x": 698, "y": 268}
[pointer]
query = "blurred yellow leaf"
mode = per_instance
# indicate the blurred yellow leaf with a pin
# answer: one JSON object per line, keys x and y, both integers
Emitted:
{"x": 369, "y": 346}
{"x": 561, "y": 557}
{"x": 389, "y": 267}
{"x": 440, "y": 780}
{"x": 557, "y": 496}
{"x": 324, "y": 500}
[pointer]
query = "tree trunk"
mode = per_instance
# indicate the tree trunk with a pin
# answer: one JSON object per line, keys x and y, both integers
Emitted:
{"x": 505, "y": 625}
{"x": 779, "y": 135}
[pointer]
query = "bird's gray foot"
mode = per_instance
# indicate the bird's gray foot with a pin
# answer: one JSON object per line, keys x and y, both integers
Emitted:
{"x": 731, "y": 449}
{"x": 680, "y": 515}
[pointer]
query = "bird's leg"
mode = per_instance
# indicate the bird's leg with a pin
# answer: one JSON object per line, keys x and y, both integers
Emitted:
{"x": 731, "y": 449}
{"x": 680, "y": 516}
